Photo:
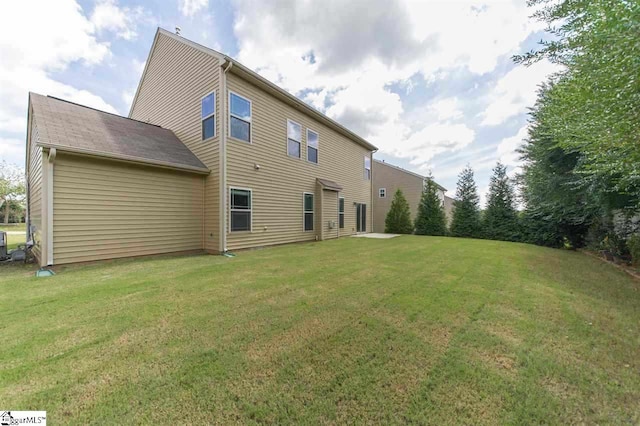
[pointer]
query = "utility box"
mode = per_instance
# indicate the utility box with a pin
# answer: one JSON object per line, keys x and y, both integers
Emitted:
{"x": 3, "y": 245}
{"x": 332, "y": 224}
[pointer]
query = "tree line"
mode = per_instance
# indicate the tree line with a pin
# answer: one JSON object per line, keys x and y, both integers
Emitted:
{"x": 498, "y": 221}
{"x": 580, "y": 184}
{"x": 581, "y": 180}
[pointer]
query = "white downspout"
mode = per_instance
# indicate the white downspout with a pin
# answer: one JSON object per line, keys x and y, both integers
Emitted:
{"x": 223, "y": 163}
{"x": 51, "y": 161}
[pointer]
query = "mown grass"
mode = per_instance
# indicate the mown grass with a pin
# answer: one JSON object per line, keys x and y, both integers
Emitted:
{"x": 20, "y": 227}
{"x": 12, "y": 239}
{"x": 413, "y": 329}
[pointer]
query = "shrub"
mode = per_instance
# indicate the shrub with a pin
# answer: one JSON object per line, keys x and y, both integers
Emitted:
{"x": 633, "y": 243}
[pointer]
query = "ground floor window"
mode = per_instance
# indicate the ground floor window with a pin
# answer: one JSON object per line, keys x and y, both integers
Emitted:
{"x": 240, "y": 209}
{"x": 308, "y": 211}
{"x": 341, "y": 213}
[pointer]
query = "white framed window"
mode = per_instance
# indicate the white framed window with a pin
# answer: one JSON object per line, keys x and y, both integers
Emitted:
{"x": 294, "y": 138}
{"x": 239, "y": 117}
{"x": 312, "y": 146}
{"x": 307, "y": 207}
{"x": 208, "y": 115}
{"x": 341, "y": 212}
{"x": 367, "y": 168}
{"x": 382, "y": 192}
{"x": 240, "y": 201}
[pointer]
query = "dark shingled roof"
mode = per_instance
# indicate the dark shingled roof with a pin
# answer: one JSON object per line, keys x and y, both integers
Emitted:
{"x": 64, "y": 125}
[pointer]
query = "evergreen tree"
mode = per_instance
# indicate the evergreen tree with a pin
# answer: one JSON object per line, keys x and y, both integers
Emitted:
{"x": 398, "y": 220}
{"x": 500, "y": 220}
{"x": 430, "y": 219}
{"x": 466, "y": 212}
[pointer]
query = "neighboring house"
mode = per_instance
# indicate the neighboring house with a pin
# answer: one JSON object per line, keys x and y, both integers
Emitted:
{"x": 387, "y": 179}
{"x": 212, "y": 157}
{"x": 448, "y": 209}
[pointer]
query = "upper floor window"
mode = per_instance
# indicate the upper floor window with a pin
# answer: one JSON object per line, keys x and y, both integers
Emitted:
{"x": 239, "y": 117}
{"x": 382, "y": 192}
{"x": 294, "y": 138}
{"x": 367, "y": 168}
{"x": 208, "y": 115}
{"x": 312, "y": 146}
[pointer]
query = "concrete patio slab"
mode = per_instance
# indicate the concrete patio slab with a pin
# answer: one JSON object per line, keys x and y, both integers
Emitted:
{"x": 376, "y": 235}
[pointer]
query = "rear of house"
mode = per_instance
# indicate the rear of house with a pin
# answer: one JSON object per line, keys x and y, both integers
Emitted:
{"x": 387, "y": 179}
{"x": 212, "y": 157}
{"x": 281, "y": 171}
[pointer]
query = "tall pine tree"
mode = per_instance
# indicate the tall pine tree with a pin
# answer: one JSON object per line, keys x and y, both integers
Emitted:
{"x": 398, "y": 220}
{"x": 430, "y": 219}
{"x": 466, "y": 211}
{"x": 500, "y": 217}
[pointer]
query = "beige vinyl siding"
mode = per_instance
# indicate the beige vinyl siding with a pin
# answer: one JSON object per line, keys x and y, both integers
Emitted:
{"x": 329, "y": 214}
{"x": 34, "y": 177}
{"x": 392, "y": 178}
{"x": 448, "y": 209}
{"x": 176, "y": 79}
{"x": 280, "y": 181}
{"x": 106, "y": 209}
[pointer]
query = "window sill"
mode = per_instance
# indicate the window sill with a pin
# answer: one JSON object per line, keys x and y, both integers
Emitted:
{"x": 250, "y": 142}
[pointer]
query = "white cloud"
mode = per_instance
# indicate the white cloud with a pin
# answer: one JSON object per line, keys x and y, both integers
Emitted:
{"x": 507, "y": 150}
{"x": 516, "y": 91}
{"x": 108, "y": 16}
{"x": 471, "y": 33}
{"x": 29, "y": 57}
{"x": 345, "y": 59}
{"x": 191, "y": 7}
{"x": 127, "y": 97}
{"x": 11, "y": 150}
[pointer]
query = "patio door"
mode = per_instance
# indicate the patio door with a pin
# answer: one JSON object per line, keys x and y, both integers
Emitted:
{"x": 361, "y": 217}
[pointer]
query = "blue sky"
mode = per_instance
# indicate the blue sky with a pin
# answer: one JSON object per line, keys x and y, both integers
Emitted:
{"x": 431, "y": 83}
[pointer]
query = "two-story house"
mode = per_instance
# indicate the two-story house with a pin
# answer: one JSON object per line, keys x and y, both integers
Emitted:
{"x": 387, "y": 179}
{"x": 212, "y": 157}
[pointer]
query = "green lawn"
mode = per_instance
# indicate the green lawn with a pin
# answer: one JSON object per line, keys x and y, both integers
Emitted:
{"x": 13, "y": 239}
{"x": 414, "y": 329}
{"x": 21, "y": 227}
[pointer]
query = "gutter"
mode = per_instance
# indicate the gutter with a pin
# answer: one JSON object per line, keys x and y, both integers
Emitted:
{"x": 254, "y": 77}
{"x": 125, "y": 158}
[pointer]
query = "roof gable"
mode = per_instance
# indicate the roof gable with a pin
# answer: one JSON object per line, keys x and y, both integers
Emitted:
{"x": 247, "y": 74}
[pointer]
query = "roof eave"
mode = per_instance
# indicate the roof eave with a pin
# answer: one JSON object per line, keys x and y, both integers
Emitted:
{"x": 256, "y": 79}
{"x": 125, "y": 158}
{"x": 410, "y": 173}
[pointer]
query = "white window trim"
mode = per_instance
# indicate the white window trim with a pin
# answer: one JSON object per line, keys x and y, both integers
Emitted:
{"x": 313, "y": 212}
{"x": 341, "y": 213}
{"x": 250, "y": 141}
{"x": 316, "y": 148}
{"x": 241, "y": 210}
{"x": 213, "y": 114}
{"x": 380, "y": 191}
{"x": 286, "y": 147}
